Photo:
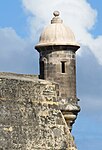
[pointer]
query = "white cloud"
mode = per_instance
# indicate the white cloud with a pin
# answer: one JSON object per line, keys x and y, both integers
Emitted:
{"x": 16, "y": 53}
{"x": 78, "y": 14}
{"x": 10, "y": 42}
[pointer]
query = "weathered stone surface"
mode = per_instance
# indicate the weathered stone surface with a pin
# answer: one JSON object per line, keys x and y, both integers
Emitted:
{"x": 29, "y": 115}
{"x": 57, "y": 49}
{"x": 52, "y": 70}
{"x": 37, "y": 114}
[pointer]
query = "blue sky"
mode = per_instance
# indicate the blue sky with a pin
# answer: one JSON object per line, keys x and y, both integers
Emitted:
{"x": 21, "y": 22}
{"x": 12, "y": 15}
{"x": 98, "y": 26}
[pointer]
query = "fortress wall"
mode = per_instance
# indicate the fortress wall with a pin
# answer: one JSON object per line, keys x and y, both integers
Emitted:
{"x": 29, "y": 115}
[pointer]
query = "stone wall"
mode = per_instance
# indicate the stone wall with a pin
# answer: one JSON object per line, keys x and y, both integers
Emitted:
{"x": 58, "y": 64}
{"x": 29, "y": 115}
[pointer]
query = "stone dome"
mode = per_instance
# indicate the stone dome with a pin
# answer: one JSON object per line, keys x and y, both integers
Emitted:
{"x": 57, "y": 34}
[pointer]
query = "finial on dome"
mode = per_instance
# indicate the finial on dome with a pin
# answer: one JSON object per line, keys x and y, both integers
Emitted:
{"x": 56, "y": 18}
{"x": 56, "y": 13}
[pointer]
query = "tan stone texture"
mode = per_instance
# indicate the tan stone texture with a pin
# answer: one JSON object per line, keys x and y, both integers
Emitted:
{"x": 29, "y": 115}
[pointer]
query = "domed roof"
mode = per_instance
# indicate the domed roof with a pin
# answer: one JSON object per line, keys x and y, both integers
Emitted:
{"x": 57, "y": 33}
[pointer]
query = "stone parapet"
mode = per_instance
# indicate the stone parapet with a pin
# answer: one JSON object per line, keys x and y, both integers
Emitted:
{"x": 29, "y": 115}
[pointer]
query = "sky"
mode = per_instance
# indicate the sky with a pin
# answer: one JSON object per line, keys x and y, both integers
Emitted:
{"x": 21, "y": 23}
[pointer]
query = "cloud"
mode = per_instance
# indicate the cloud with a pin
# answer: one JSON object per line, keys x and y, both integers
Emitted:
{"x": 89, "y": 83}
{"x": 78, "y": 14}
{"x": 16, "y": 53}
